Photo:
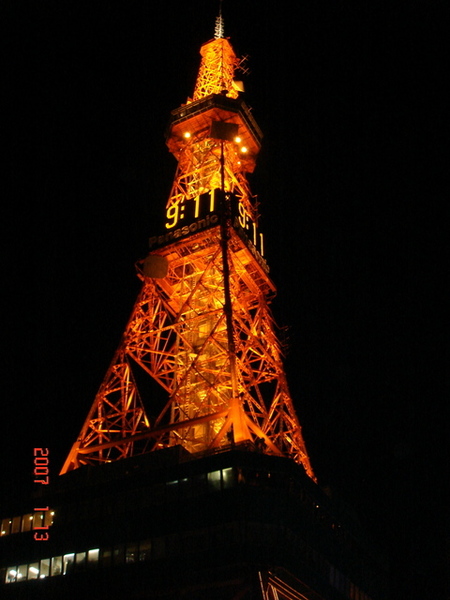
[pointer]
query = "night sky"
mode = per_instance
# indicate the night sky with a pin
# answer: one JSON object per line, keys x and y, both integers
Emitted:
{"x": 349, "y": 98}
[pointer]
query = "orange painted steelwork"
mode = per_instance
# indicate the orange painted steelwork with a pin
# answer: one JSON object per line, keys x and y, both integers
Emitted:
{"x": 216, "y": 73}
{"x": 201, "y": 326}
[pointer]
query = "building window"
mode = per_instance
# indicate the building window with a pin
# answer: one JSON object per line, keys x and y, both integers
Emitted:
{"x": 57, "y": 566}
{"x": 92, "y": 557}
{"x": 199, "y": 484}
{"x": 131, "y": 553}
{"x": 27, "y": 521}
{"x": 11, "y": 574}
{"x": 228, "y": 477}
{"x": 6, "y": 526}
{"x": 80, "y": 561}
{"x": 15, "y": 525}
{"x": 106, "y": 557}
{"x": 48, "y": 518}
{"x": 118, "y": 554}
{"x": 214, "y": 481}
{"x": 33, "y": 571}
{"x": 45, "y": 568}
{"x": 159, "y": 547}
{"x": 38, "y": 520}
{"x": 145, "y": 550}
{"x": 75, "y": 562}
{"x": 68, "y": 563}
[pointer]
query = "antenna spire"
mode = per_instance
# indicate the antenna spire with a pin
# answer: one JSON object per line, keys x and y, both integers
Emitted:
{"x": 219, "y": 28}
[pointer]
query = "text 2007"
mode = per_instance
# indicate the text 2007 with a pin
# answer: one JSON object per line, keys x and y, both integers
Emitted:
{"x": 41, "y": 466}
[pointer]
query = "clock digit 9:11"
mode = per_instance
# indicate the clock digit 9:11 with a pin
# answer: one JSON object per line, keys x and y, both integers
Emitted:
{"x": 190, "y": 209}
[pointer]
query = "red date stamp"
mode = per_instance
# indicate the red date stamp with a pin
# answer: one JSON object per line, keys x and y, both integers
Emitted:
{"x": 41, "y": 471}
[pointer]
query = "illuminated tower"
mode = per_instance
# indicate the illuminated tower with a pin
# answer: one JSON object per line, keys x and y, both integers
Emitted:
{"x": 201, "y": 326}
{"x": 215, "y": 497}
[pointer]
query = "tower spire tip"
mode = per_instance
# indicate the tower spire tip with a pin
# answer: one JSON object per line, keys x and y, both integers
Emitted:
{"x": 219, "y": 27}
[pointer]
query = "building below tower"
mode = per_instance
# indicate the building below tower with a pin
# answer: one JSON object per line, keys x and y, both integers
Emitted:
{"x": 228, "y": 525}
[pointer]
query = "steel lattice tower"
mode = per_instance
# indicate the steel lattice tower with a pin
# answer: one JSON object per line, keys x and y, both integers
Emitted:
{"x": 201, "y": 326}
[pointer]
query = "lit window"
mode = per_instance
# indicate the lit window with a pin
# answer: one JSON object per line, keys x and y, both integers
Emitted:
{"x": 214, "y": 481}
{"x": 48, "y": 518}
{"x": 93, "y": 555}
{"x": 44, "y": 571}
{"x": 27, "y": 521}
{"x": 56, "y": 568}
{"x": 80, "y": 560}
{"x": 15, "y": 525}
{"x": 33, "y": 571}
{"x": 6, "y": 526}
{"x": 38, "y": 520}
{"x": 11, "y": 574}
{"x": 228, "y": 477}
{"x": 68, "y": 563}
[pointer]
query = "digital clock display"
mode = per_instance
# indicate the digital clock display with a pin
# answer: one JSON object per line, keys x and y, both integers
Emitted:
{"x": 187, "y": 217}
{"x": 190, "y": 216}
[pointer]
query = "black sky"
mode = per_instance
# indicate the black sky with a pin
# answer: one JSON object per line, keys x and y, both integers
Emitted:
{"x": 350, "y": 180}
